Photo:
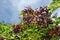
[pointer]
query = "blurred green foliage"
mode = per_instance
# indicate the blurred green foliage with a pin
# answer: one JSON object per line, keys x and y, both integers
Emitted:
{"x": 54, "y": 5}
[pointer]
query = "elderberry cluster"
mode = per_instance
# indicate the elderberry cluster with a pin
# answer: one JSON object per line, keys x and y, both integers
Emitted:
{"x": 39, "y": 16}
{"x": 17, "y": 28}
{"x": 55, "y": 31}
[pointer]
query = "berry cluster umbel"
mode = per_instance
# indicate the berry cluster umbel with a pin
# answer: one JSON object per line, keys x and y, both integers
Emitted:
{"x": 39, "y": 16}
{"x": 17, "y": 28}
{"x": 55, "y": 31}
